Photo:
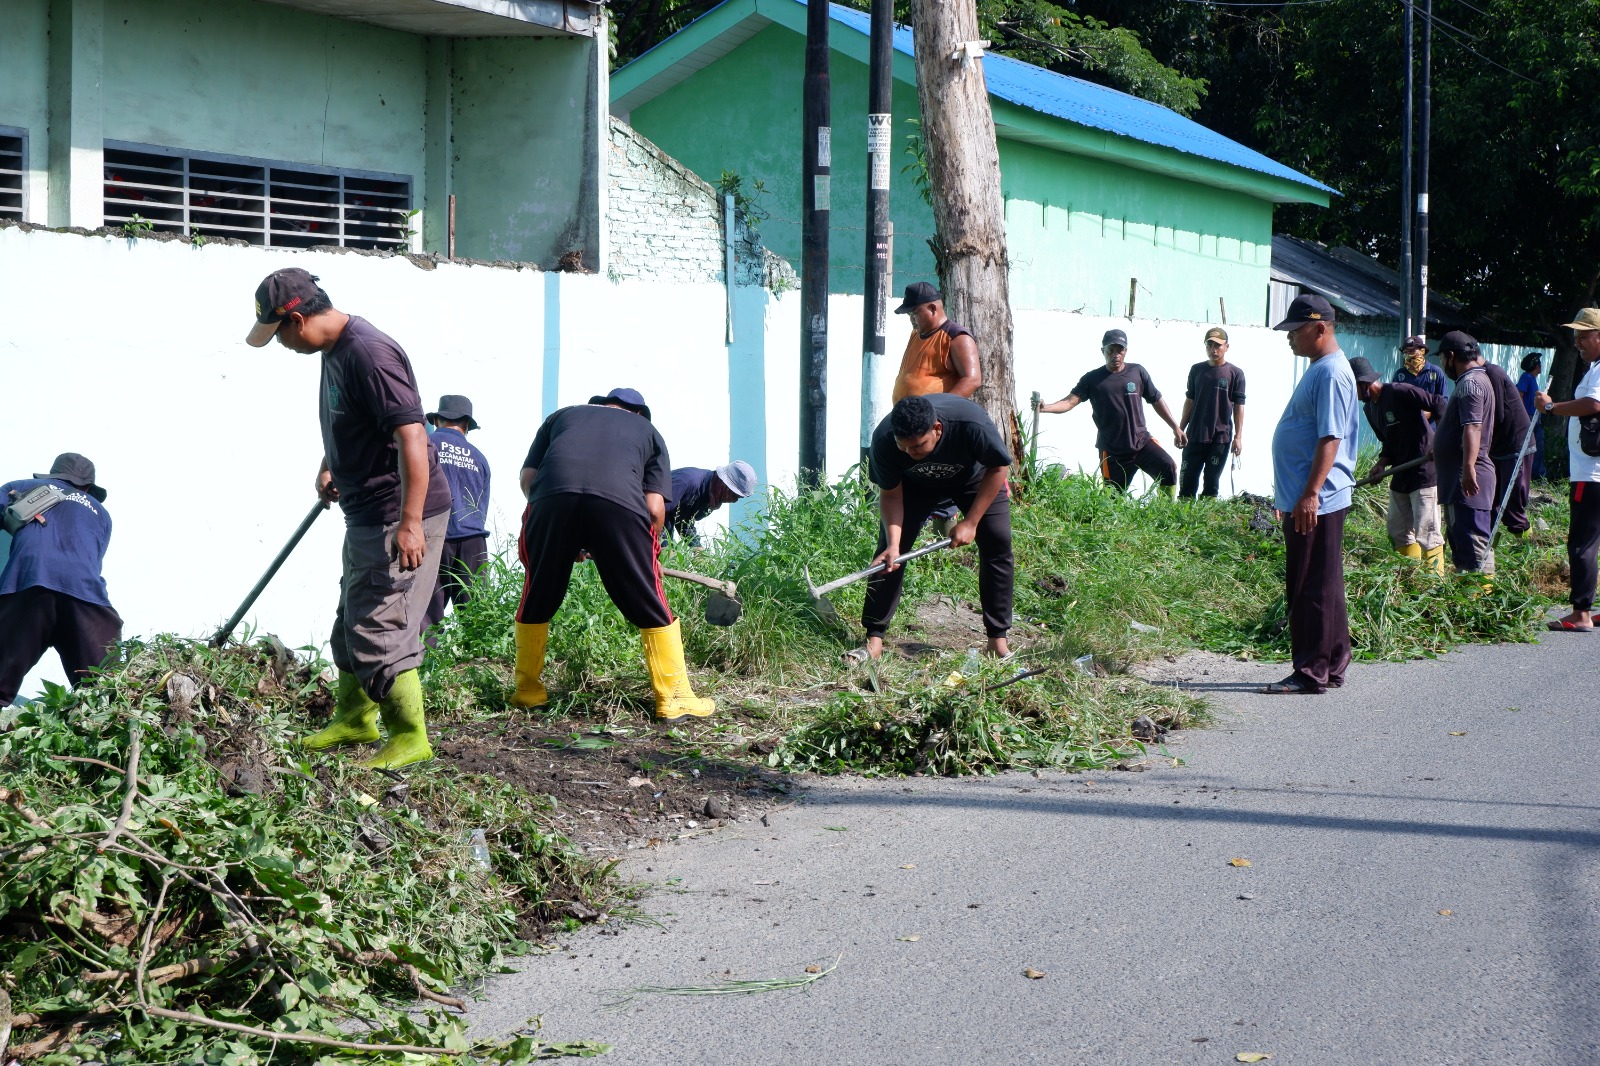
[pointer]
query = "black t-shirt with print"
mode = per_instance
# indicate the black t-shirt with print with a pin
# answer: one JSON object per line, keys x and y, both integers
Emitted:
{"x": 595, "y": 450}
{"x": 1213, "y": 390}
{"x": 1117, "y": 401}
{"x": 968, "y": 446}
{"x": 1397, "y": 418}
{"x": 369, "y": 391}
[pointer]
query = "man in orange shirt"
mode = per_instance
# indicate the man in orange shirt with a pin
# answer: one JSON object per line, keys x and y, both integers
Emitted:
{"x": 940, "y": 355}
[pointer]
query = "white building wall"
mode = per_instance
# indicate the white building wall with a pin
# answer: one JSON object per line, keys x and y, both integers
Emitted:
{"x": 132, "y": 352}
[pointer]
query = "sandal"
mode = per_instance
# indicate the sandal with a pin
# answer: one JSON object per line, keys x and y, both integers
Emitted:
{"x": 1561, "y": 625}
{"x": 856, "y": 656}
{"x": 1288, "y": 687}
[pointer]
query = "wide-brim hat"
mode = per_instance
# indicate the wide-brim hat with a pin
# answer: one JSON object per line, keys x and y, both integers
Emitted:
{"x": 1588, "y": 318}
{"x": 739, "y": 476}
{"x": 1362, "y": 369}
{"x": 628, "y": 398}
{"x": 454, "y": 409}
{"x": 74, "y": 469}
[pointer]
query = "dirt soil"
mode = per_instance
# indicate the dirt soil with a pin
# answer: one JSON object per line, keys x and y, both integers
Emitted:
{"x": 616, "y": 791}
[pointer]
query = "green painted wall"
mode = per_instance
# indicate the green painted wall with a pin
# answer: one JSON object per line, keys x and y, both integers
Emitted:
{"x": 1187, "y": 243}
{"x": 24, "y": 83}
{"x": 263, "y": 80}
{"x": 526, "y": 131}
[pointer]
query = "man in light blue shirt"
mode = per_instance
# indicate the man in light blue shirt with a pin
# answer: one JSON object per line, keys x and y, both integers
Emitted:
{"x": 1313, "y": 465}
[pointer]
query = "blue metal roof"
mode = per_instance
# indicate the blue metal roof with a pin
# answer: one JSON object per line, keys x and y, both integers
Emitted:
{"x": 1098, "y": 107}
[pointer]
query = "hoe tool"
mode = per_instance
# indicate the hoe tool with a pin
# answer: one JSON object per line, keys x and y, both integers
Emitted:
{"x": 819, "y": 593}
{"x": 221, "y": 636}
{"x": 722, "y": 606}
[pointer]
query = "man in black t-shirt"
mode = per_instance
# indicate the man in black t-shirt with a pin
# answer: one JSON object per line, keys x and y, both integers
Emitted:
{"x": 1402, "y": 417}
{"x": 597, "y": 480}
{"x": 1117, "y": 393}
{"x": 376, "y": 464}
{"x": 1510, "y": 431}
{"x": 928, "y": 450}
{"x": 1213, "y": 417}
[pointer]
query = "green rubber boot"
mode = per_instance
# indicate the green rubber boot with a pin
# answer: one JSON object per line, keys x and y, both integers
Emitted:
{"x": 403, "y": 720}
{"x": 355, "y": 718}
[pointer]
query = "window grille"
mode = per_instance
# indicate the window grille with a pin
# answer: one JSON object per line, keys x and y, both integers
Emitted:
{"x": 255, "y": 200}
{"x": 13, "y": 164}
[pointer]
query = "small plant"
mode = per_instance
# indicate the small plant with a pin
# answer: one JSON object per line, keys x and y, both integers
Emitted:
{"x": 917, "y": 149}
{"x": 745, "y": 204}
{"x": 137, "y": 225}
{"x": 196, "y": 238}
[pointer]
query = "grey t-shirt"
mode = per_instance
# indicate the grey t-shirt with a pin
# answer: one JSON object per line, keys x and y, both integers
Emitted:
{"x": 1472, "y": 403}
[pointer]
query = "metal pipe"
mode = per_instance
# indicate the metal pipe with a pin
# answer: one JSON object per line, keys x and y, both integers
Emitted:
{"x": 222, "y": 634}
{"x": 816, "y": 154}
{"x": 450, "y": 240}
{"x": 1423, "y": 125}
{"x": 1406, "y": 138}
{"x": 880, "y": 141}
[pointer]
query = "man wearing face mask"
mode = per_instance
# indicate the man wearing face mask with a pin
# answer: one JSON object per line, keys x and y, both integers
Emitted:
{"x": 1415, "y": 368}
{"x": 1117, "y": 393}
{"x": 1461, "y": 450}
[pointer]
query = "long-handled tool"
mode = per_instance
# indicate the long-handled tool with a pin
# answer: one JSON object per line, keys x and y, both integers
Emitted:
{"x": 1033, "y": 438}
{"x": 1411, "y": 464}
{"x": 222, "y": 634}
{"x": 1516, "y": 468}
{"x": 722, "y": 606}
{"x": 819, "y": 593}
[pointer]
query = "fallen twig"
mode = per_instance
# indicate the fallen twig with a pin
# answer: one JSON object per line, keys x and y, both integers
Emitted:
{"x": 293, "y": 1038}
{"x": 162, "y": 975}
{"x": 370, "y": 958}
{"x": 727, "y": 988}
{"x": 130, "y": 786}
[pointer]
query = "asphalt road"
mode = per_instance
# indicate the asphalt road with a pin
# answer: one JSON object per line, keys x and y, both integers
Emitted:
{"x": 1413, "y": 896}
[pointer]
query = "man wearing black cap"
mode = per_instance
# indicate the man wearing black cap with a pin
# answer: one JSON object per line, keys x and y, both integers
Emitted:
{"x": 1415, "y": 369}
{"x": 930, "y": 449}
{"x": 597, "y": 480}
{"x": 52, "y": 594}
{"x": 377, "y": 465}
{"x": 940, "y": 356}
{"x": 1313, "y": 467}
{"x": 1511, "y": 424}
{"x": 466, "y": 539}
{"x": 1117, "y": 393}
{"x": 1461, "y": 449}
{"x": 1402, "y": 417}
{"x": 1213, "y": 417}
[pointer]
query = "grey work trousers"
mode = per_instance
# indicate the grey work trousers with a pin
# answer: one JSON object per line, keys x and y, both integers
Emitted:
{"x": 377, "y": 630}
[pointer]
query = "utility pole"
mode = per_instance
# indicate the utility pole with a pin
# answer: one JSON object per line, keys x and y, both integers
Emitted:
{"x": 968, "y": 212}
{"x": 816, "y": 154}
{"x": 1422, "y": 167}
{"x": 1406, "y": 206}
{"x": 880, "y": 234}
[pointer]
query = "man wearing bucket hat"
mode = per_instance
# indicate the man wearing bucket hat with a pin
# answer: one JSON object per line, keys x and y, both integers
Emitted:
{"x": 1583, "y": 468}
{"x": 466, "y": 539}
{"x": 376, "y": 464}
{"x": 1313, "y": 466}
{"x": 597, "y": 479}
{"x": 696, "y": 492}
{"x": 52, "y": 594}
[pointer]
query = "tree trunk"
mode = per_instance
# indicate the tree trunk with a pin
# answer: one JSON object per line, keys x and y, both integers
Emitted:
{"x": 968, "y": 212}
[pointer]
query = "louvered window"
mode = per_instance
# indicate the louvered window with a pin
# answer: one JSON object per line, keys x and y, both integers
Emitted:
{"x": 13, "y": 162}
{"x": 254, "y": 200}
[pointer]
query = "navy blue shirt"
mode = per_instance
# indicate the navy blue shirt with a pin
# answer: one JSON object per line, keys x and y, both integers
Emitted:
{"x": 1429, "y": 379}
{"x": 690, "y": 502}
{"x": 369, "y": 391}
{"x": 65, "y": 553}
{"x": 468, "y": 473}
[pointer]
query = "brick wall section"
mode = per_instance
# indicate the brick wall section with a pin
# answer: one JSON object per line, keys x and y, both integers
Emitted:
{"x": 666, "y": 223}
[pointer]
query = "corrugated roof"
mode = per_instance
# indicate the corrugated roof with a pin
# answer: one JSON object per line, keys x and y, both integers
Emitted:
{"x": 1095, "y": 106}
{"x": 1354, "y": 283}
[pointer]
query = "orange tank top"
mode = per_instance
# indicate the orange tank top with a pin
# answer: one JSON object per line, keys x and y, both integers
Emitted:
{"x": 926, "y": 365}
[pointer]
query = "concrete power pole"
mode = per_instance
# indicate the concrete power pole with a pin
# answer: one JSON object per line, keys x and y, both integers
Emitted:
{"x": 964, "y": 177}
{"x": 817, "y": 158}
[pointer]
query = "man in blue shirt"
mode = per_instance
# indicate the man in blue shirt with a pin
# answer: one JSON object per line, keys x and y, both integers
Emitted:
{"x": 696, "y": 492}
{"x": 1313, "y": 465}
{"x": 1528, "y": 387}
{"x": 52, "y": 594}
{"x": 466, "y": 539}
{"x": 1415, "y": 369}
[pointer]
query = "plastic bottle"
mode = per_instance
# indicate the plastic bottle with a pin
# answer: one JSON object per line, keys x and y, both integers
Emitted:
{"x": 478, "y": 845}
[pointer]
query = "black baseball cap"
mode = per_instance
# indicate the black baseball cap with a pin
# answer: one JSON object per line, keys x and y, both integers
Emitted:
{"x": 1114, "y": 336}
{"x": 1457, "y": 342}
{"x": 75, "y": 470}
{"x": 1362, "y": 369}
{"x": 628, "y": 398}
{"x": 917, "y": 294}
{"x": 1307, "y": 307}
{"x": 279, "y": 293}
{"x": 1416, "y": 343}
{"x": 454, "y": 409}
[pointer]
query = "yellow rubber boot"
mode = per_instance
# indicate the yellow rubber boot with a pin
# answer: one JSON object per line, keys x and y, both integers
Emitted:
{"x": 663, "y": 654}
{"x": 404, "y": 721}
{"x": 355, "y": 717}
{"x": 1412, "y": 551}
{"x": 531, "y": 640}
{"x": 1433, "y": 559}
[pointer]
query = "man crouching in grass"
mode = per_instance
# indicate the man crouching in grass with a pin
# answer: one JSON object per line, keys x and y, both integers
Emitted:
{"x": 931, "y": 449}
